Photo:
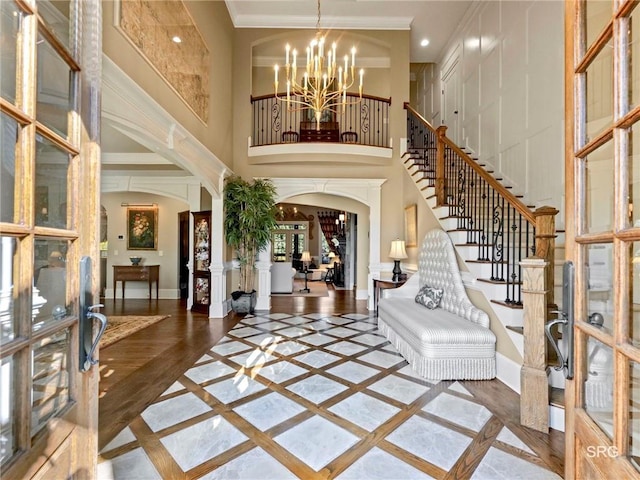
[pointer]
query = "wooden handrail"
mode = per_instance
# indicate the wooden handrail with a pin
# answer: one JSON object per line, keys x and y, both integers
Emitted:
{"x": 495, "y": 184}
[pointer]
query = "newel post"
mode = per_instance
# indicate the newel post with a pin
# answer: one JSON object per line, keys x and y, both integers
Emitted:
{"x": 441, "y": 190}
{"x": 546, "y": 244}
{"x": 534, "y": 383}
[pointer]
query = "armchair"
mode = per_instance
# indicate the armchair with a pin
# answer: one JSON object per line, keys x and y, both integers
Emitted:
{"x": 282, "y": 274}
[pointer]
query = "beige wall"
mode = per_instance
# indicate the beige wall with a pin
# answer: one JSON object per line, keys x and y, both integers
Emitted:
{"x": 117, "y": 253}
{"x": 214, "y": 24}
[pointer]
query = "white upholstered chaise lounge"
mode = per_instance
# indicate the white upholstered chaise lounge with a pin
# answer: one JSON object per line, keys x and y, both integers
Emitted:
{"x": 450, "y": 342}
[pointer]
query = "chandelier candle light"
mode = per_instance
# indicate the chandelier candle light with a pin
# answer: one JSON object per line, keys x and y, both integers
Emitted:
{"x": 316, "y": 88}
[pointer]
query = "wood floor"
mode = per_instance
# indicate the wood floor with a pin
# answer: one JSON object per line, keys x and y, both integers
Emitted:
{"x": 138, "y": 369}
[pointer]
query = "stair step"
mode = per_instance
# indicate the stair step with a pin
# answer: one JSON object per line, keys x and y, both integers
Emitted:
{"x": 513, "y": 306}
{"x": 513, "y": 328}
{"x": 556, "y": 397}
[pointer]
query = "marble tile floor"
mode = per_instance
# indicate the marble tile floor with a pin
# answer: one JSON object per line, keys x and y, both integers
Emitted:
{"x": 286, "y": 396}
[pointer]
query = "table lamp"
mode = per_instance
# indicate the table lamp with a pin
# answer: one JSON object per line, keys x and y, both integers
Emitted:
{"x": 306, "y": 258}
{"x": 397, "y": 253}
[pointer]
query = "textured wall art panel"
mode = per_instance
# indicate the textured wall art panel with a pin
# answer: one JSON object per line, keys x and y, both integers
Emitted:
{"x": 151, "y": 26}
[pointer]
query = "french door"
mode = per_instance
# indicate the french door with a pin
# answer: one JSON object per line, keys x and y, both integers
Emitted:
{"x": 603, "y": 236}
{"x": 288, "y": 241}
{"x": 49, "y": 222}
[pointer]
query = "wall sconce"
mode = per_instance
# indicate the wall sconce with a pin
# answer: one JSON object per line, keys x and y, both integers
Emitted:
{"x": 340, "y": 224}
{"x": 397, "y": 253}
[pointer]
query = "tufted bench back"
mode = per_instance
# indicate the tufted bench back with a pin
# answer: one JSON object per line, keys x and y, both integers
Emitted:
{"x": 438, "y": 267}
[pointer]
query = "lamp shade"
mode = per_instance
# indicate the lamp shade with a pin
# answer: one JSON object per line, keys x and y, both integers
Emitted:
{"x": 398, "y": 251}
{"x": 306, "y": 256}
{"x": 332, "y": 255}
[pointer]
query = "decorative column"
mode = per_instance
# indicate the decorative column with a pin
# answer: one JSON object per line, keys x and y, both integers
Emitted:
{"x": 218, "y": 285}
{"x": 263, "y": 265}
{"x": 546, "y": 244}
{"x": 534, "y": 382}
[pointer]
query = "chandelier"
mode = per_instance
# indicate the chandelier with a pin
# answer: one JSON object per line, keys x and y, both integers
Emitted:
{"x": 323, "y": 81}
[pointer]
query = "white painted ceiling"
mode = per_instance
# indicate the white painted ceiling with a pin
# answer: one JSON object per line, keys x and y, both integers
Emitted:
{"x": 434, "y": 20}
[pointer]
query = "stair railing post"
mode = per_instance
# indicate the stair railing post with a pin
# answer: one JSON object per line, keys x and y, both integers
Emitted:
{"x": 441, "y": 190}
{"x": 534, "y": 383}
{"x": 546, "y": 244}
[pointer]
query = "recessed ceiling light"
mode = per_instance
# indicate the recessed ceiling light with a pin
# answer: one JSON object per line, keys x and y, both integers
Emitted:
{"x": 177, "y": 39}
{"x": 424, "y": 42}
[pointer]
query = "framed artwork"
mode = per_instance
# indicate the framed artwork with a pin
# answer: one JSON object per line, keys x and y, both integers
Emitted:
{"x": 411, "y": 225}
{"x": 142, "y": 228}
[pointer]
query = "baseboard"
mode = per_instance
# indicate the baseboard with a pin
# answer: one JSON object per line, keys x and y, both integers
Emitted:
{"x": 362, "y": 294}
{"x": 508, "y": 372}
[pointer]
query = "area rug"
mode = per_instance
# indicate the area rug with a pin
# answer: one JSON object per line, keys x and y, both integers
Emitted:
{"x": 120, "y": 327}
{"x": 318, "y": 289}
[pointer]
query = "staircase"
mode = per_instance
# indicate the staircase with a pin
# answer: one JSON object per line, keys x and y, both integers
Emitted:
{"x": 491, "y": 228}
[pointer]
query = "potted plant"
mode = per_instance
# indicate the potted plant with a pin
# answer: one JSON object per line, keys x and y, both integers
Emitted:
{"x": 250, "y": 216}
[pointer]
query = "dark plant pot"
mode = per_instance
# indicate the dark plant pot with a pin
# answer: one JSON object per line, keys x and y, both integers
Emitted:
{"x": 243, "y": 302}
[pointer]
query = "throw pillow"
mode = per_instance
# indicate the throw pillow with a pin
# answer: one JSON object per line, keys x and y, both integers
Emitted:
{"x": 429, "y": 296}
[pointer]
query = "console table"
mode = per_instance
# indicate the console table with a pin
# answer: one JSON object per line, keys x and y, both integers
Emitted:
{"x": 136, "y": 273}
{"x": 383, "y": 284}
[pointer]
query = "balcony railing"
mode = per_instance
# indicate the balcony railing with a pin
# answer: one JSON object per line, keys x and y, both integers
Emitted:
{"x": 363, "y": 123}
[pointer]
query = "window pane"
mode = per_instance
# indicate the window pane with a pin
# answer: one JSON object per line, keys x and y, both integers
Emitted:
{"x": 7, "y": 274}
{"x": 55, "y": 14}
{"x": 598, "y": 385}
{"x": 7, "y": 394}
{"x": 10, "y": 21}
{"x": 599, "y": 189}
{"x": 599, "y": 91}
{"x": 600, "y": 285}
{"x": 279, "y": 247}
{"x": 634, "y": 60}
{"x": 54, "y": 94}
{"x": 8, "y": 140}
{"x": 597, "y": 15}
{"x": 50, "y": 279}
{"x": 634, "y": 413}
{"x": 634, "y": 326}
{"x": 52, "y": 165}
{"x": 634, "y": 173}
{"x": 50, "y": 366}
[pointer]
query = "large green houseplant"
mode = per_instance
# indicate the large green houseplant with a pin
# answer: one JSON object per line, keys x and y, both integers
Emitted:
{"x": 250, "y": 216}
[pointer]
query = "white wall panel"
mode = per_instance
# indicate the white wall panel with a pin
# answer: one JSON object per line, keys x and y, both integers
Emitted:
{"x": 490, "y": 74}
{"x": 471, "y": 47}
{"x": 513, "y": 114}
{"x": 489, "y": 123}
{"x": 489, "y": 26}
{"x": 546, "y": 172}
{"x": 544, "y": 69}
{"x": 514, "y": 61}
{"x": 513, "y": 165}
{"x": 515, "y": 123}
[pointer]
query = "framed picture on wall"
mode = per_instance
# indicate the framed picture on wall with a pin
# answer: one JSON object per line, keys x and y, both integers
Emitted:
{"x": 142, "y": 228}
{"x": 411, "y": 225}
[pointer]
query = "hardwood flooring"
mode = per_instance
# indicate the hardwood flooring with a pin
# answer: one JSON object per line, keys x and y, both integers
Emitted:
{"x": 138, "y": 371}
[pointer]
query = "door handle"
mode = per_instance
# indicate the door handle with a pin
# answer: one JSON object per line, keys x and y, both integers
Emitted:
{"x": 89, "y": 360}
{"x": 88, "y": 344}
{"x": 565, "y": 320}
{"x": 547, "y": 330}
